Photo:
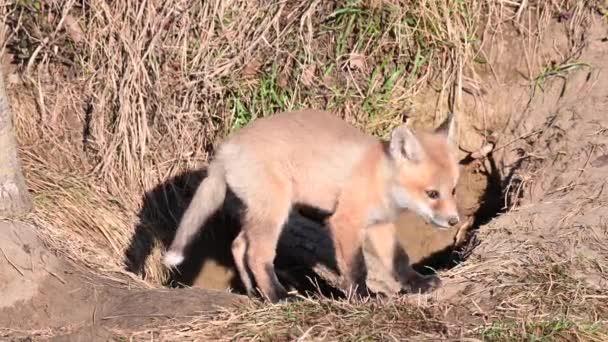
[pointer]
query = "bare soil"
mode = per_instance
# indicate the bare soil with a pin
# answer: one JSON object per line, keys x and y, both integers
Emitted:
{"x": 545, "y": 256}
{"x": 45, "y": 295}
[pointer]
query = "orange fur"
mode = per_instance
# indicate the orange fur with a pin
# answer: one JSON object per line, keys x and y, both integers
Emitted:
{"x": 314, "y": 158}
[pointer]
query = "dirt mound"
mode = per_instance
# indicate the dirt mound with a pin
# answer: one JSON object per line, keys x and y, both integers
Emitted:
{"x": 43, "y": 295}
{"x": 540, "y": 269}
{"x": 35, "y": 284}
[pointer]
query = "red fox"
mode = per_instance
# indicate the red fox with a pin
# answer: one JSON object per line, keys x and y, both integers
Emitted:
{"x": 314, "y": 158}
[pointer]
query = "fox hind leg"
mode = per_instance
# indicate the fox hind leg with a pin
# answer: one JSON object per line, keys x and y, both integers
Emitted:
{"x": 239, "y": 250}
{"x": 265, "y": 216}
{"x": 262, "y": 240}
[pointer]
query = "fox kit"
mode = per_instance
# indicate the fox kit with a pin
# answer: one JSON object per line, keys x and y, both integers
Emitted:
{"x": 314, "y": 158}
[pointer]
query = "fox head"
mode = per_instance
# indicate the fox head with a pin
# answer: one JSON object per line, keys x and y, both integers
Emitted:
{"x": 426, "y": 172}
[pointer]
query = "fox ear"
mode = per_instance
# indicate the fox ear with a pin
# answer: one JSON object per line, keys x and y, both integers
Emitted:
{"x": 449, "y": 129}
{"x": 404, "y": 145}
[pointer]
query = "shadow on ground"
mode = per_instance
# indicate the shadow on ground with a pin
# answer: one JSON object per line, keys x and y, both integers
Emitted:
{"x": 209, "y": 262}
{"x": 209, "y": 257}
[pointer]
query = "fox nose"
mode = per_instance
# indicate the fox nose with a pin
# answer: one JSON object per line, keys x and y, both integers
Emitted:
{"x": 453, "y": 220}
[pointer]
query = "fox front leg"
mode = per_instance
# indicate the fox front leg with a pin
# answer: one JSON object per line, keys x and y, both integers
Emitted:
{"x": 347, "y": 236}
{"x": 383, "y": 242}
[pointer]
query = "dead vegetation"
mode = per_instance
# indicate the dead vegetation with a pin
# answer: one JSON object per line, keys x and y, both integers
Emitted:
{"x": 112, "y": 99}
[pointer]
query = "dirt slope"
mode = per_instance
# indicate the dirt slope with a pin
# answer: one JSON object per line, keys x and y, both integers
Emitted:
{"x": 544, "y": 262}
{"x": 44, "y": 295}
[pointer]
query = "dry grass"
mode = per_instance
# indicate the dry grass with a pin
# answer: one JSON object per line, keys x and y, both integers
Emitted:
{"x": 540, "y": 308}
{"x": 307, "y": 319}
{"x": 544, "y": 294}
{"x": 115, "y": 97}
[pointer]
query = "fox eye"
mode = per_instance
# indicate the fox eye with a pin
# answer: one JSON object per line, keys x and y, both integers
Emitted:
{"x": 433, "y": 194}
{"x": 453, "y": 191}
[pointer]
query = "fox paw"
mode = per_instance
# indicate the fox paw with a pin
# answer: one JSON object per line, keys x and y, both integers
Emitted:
{"x": 358, "y": 289}
{"x": 276, "y": 296}
{"x": 422, "y": 284}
